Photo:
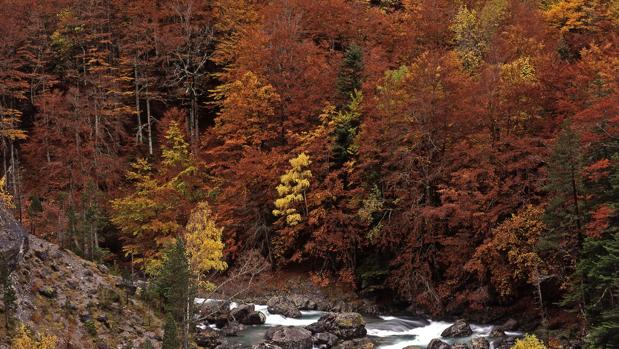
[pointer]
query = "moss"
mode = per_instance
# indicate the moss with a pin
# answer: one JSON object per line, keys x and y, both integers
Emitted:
{"x": 91, "y": 327}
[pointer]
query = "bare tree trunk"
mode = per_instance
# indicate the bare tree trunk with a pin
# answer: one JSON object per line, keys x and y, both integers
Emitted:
{"x": 149, "y": 122}
{"x": 139, "y": 137}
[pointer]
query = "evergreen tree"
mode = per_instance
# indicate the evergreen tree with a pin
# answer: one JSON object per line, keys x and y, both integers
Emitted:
{"x": 564, "y": 212}
{"x": 174, "y": 284}
{"x": 351, "y": 72}
{"x": 345, "y": 130}
{"x": 597, "y": 268}
{"x": 170, "y": 334}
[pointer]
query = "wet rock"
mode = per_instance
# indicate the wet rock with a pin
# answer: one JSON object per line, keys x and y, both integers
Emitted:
{"x": 344, "y": 326}
{"x": 497, "y": 333}
{"x": 215, "y": 312}
{"x": 460, "y": 329}
{"x": 255, "y": 318}
{"x": 241, "y": 312}
{"x": 504, "y": 343}
{"x": 207, "y": 338}
{"x": 509, "y": 325}
{"x": 283, "y": 306}
{"x": 232, "y": 329}
{"x": 357, "y": 343}
{"x": 412, "y": 347}
{"x": 438, "y": 344}
{"x": 325, "y": 340}
{"x": 480, "y": 343}
{"x": 289, "y": 337}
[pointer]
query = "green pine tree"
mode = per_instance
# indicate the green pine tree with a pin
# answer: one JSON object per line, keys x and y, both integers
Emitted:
{"x": 564, "y": 214}
{"x": 174, "y": 283}
{"x": 350, "y": 76}
{"x": 170, "y": 334}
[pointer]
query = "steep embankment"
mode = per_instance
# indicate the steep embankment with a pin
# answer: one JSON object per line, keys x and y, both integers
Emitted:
{"x": 79, "y": 302}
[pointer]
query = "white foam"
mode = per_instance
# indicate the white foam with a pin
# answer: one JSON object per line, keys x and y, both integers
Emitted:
{"x": 387, "y": 318}
{"x": 423, "y": 335}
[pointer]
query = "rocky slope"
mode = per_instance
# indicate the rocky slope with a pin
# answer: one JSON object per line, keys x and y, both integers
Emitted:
{"x": 76, "y": 300}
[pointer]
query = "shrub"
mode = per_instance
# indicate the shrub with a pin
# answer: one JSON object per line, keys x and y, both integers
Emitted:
{"x": 529, "y": 342}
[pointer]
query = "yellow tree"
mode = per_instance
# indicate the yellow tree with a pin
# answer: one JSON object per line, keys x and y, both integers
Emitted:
{"x": 510, "y": 255}
{"x": 24, "y": 339}
{"x": 291, "y": 190}
{"x": 203, "y": 243}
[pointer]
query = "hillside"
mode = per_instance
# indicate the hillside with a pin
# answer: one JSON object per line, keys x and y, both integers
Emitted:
{"x": 76, "y": 300}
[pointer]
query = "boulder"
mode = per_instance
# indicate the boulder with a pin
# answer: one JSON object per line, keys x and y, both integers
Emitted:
{"x": 357, "y": 343}
{"x": 509, "y": 325}
{"x": 479, "y": 343}
{"x": 283, "y": 306}
{"x": 232, "y": 328}
{"x": 438, "y": 344}
{"x": 303, "y": 302}
{"x": 13, "y": 242}
{"x": 344, "y": 325}
{"x": 241, "y": 312}
{"x": 460, "y": 329}
{"x": 215, "y": 312}
{"x": 232, "y": 346}
{"x": 255, "y": 318}
{"x": 289, "y": 337}
{"x": 497, "y": 333}
{"x": 325, "y": 339}
{"x": 207, "y": 338}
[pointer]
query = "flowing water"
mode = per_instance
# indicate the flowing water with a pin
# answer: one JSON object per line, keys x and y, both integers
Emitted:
{"x": 388, "y": 332}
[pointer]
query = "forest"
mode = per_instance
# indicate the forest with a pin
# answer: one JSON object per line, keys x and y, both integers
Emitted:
{"x": 458, "y": 155}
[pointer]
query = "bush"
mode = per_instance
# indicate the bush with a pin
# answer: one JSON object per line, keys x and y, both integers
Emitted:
{"x": 24, "y": 339}
{"x": 529, "y": 342}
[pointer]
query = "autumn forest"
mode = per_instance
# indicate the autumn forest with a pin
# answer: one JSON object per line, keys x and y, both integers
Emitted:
{"x": 458, "y": 155}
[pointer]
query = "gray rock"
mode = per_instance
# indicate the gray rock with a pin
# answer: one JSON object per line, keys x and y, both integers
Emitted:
{"x": 497, "y": 333}
{"x": 215, "y": 312}
{"x": 255, "y": 318}
{"x": 13, "y": 241}
{"x": 303, "y": 302}
{"x": 241, "y": 312}
{"x": 232, "y": 328}
{"x": 289, "y": 337}
{"x": 438, "y": 344}
{"x": 345, "y": 325}
{"x": 283, "y": 306}
{"x": 480, "y": 343}
{"x": 460, "y": 329}
{"x": 325, "y": 339}
{"x": 509, "y": 325}
{"x": 460, "y": 346}
{"x": 357, "y": 343}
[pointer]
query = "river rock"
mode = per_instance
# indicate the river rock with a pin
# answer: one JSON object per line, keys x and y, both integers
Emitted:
{"x": 412, "y": 347}
{"x": 509, "y": 325}
{"x": 303, "y": 302}
{"x": 233, "y": 346}
{"x": 357, "y": 343}
{"x": 479, "y": 343}
{"x": 255, "y": 318}
{"x": 215, "y": 312}
{"x": 13, "y": 241}
{"x": 460, "y": 329}
{"x": 459, "y": 346}
{"x": 289, "y": 337}
{"x": 496, "y": 333}
{"x": 344, "y": 325}
{"x": 283, "y": 306}
{"x": 232, "y": 328}
{"x": 241, "y": 312}
{"x": 325, "y": 340}
{"x": 504, "y": 343}
{"x": 438, "y": 344}
{"x": 208, "y": 338}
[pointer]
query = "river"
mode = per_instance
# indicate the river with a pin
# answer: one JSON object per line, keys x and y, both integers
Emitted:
{"x": 387, "y": 332}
